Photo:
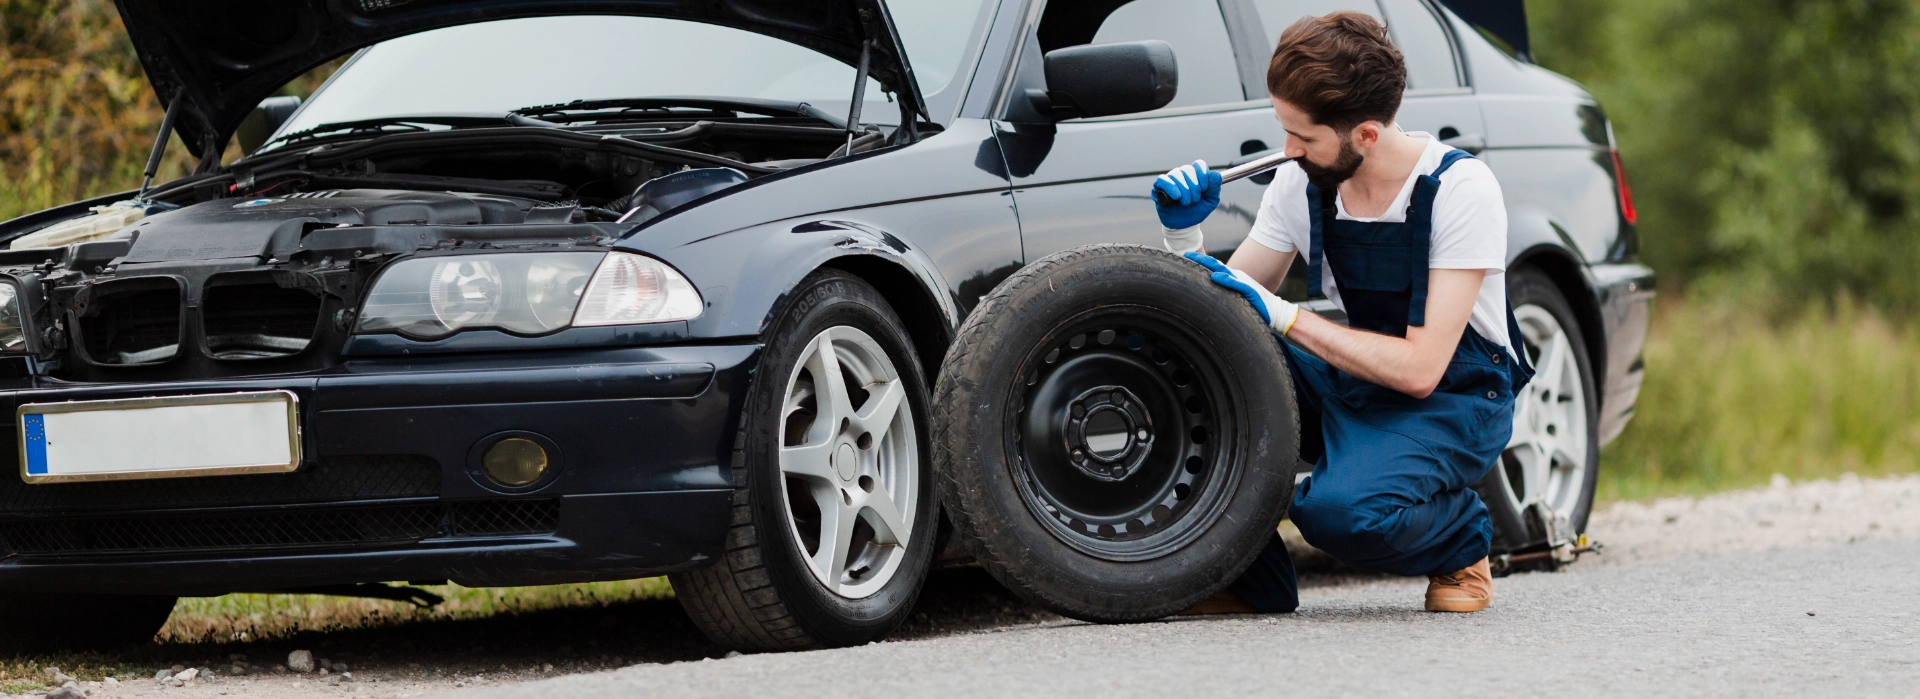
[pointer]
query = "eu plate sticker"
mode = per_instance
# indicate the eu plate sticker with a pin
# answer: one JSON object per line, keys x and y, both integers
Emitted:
{"x": 36, "y": 436}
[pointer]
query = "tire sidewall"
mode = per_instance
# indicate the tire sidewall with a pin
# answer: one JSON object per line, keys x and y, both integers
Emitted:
{"x": 978, "y": 484}
{"x": 829, "y": 299}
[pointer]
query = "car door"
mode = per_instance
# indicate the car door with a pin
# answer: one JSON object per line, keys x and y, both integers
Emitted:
{"x": 1085, "y": 181}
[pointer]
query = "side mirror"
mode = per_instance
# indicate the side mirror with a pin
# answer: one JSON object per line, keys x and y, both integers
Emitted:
{"x": 1108, "y": 79}
{"x": 265, "y": 119}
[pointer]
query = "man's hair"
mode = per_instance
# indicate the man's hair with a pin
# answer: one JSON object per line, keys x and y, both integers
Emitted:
{"x": 1341, "y": 69}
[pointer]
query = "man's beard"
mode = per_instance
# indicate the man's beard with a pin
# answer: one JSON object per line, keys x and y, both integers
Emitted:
{"x": 1330, "y": 176}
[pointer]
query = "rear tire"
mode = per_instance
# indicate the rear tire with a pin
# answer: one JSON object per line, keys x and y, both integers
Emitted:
{"x": 1117, "y": 436}
{"x": 834, "y": 519}
{"x": 1553, "y": 461}
{"x": 39, "y": 622}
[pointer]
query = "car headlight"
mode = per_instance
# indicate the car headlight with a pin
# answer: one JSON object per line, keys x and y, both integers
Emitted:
{"x": 13, "y": 334}
{"x": 525, "y": 293}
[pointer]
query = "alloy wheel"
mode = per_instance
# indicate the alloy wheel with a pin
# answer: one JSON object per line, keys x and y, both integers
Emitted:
{"x": 1545, "y": 461}
{"x": 849, "y": 460}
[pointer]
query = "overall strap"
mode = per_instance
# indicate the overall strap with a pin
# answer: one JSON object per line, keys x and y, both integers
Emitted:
{"x": 1321, "y": 210}
{"x": 1516, "y": 343}
{"x": 1420, "y": 216}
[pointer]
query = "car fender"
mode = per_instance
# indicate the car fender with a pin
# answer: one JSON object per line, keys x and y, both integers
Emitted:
{"x": 744, "y": 276}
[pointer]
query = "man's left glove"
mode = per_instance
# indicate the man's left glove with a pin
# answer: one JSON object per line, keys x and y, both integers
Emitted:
{"x": 1279, "y": 313}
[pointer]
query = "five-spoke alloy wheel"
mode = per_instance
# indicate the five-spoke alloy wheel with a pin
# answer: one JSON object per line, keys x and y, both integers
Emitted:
{"x": 833, "y": 509}
{"x": 1542, "y": 490}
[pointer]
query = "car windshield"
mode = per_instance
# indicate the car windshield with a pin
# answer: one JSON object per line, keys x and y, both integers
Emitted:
{"x": 500, "y": 66}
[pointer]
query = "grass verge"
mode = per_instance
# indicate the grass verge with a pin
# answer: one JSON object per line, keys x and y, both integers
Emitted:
{"x": 1732, "y": 398}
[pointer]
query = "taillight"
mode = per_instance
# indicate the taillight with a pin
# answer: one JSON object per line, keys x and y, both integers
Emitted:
{"x": 1626, "y": 192}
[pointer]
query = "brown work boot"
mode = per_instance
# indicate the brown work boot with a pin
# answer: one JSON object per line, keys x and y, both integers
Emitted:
{"x": 1468, "y": 589}
{"x": 1222, "y": 602}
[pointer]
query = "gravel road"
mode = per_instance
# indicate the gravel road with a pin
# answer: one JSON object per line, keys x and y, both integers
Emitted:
{"x": 1792, "y": 588}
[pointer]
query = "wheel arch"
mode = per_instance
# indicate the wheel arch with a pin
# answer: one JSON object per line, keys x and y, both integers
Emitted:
{"x": 922, "y": 316}
{"x": 1569, "y": 276}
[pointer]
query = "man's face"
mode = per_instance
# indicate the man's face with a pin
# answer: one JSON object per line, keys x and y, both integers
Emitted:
{"x": 1327, "y": 156}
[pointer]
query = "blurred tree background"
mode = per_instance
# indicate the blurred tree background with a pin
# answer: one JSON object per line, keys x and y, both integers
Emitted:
{"x": 1773, "y": 151}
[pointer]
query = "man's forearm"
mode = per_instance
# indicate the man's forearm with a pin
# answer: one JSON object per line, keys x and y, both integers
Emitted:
{"x": 1379, "y": 359}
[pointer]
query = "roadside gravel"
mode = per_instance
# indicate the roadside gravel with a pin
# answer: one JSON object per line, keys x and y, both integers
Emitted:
{"x": 1788, "y": 519}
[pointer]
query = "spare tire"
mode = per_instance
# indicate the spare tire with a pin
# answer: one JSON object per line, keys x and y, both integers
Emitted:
{"x": 1115, "y": 436}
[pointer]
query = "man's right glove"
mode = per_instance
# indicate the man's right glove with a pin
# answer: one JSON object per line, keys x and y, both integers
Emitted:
{"x": 1194, "y": 191}
{"x": 1279, "y": 313}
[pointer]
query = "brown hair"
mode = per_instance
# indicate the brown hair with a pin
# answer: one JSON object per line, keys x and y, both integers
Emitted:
{"x": 1341, "y": 69}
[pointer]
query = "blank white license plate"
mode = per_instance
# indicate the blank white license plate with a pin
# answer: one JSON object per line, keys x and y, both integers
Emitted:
{"x": 169, "y": 437}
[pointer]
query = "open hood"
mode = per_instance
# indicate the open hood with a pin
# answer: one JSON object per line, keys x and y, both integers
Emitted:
{"x": 227, "y": 55}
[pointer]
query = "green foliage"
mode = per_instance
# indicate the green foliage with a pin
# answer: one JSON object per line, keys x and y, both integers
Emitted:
{"x": 254, "y": 617}
{"x": 1732, "y": 398}
{"x": 1770, "y": 142}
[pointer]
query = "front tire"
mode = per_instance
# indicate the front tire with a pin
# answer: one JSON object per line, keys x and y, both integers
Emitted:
{"x": 833, "y": 512}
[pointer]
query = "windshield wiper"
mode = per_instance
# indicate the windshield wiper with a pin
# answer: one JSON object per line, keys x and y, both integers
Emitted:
{"x": 363, "y": 127}
{"x": 664, "y": 106}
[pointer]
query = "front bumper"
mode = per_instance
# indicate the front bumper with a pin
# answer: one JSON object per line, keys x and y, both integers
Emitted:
{"x": 640, "y": 442}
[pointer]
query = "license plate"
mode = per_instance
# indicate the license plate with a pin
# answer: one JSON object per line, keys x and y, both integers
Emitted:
{"x": 169, "y": 437}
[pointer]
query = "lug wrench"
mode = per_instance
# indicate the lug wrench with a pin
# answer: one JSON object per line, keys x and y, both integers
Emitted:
{"x": 1241, "y": 171}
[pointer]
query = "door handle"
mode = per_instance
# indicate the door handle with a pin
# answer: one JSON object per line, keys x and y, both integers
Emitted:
{"x": 1472, "y": 143}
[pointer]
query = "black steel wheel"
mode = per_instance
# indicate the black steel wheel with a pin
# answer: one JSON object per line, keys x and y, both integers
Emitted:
{"x": 1115, "y": 437}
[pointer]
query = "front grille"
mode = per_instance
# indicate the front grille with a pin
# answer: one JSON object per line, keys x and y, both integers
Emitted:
{"x": 256, "y": 531}
{"x": 335, "y": 479}
{"x": 136, "y": 321}
{"x": 255, "y": 321}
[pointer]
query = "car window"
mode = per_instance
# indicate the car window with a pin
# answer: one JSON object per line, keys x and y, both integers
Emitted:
{"x": 936, "y": 34}
{"x": 1277, "y": 15}
{"x": 1200, "y": 45}
{"x": 1423, "y": 42}
{"x": 509, "y": 64}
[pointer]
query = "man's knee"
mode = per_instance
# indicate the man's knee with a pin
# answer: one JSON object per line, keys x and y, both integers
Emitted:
{"x": 1349, "y": 530}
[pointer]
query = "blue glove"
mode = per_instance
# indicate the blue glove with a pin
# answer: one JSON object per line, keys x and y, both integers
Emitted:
{"x": 1278, "y": 313}
{"x": 1195, "y": 191}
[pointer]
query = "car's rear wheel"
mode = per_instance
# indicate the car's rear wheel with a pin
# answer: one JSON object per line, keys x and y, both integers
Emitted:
{"x": 1542, "y": 490}
{"x": 42, "y": 622}
{"x": 1117, "y": 435}
{"x": 833, "y": 523}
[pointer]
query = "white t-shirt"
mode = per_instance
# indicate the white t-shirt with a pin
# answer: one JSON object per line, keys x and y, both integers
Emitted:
{"x": 1469, "y": 228}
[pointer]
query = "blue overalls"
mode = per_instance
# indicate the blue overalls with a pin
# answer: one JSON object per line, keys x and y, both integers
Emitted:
{"x": 1393, "y": 475}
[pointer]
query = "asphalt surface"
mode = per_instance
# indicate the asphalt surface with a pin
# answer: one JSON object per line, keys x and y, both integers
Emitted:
{"x": 1821, "y": 619}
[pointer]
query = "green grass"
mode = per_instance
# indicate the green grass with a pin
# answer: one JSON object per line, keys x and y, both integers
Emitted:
{"x": 1731, "y": 399}
{"x": 256, "y": 617}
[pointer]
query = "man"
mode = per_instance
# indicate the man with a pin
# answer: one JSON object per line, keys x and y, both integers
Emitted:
{"x": 1408, "y": 406}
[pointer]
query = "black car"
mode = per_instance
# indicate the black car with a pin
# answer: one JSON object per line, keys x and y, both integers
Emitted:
{"x": 537, "y": 292}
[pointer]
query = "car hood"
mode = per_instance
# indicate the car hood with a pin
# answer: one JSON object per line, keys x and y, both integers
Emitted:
{"x": 227, "y": 55}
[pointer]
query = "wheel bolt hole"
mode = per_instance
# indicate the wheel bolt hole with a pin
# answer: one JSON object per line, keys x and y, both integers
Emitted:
{"x": 1193, "y": 465}
{"x": 1141, "y": 435}
{"x": 1078, "y": 341}
{"x": 1136, "y": 342}
{"x": 1135, "y": 526}
{"x": 1550, "y": 430}
{"x": 1106, "y": 530}
{"x": 1079, "y": 455}
{"x": 1052, "y": 357}
{"x": 1161, "y": 513}
{"x": 1159, "y": 356}
{"x": 866, "y": 483}
{"x": 1079, "y": 410}
{"x": 1181, "y": 491}
{"x": 865, "y": 441}
{"x": 1195, "y": 405}
{"x": 1199, "y": 434}
{"x": 1181, "y": 377}
{"x": 1105, "y": 337}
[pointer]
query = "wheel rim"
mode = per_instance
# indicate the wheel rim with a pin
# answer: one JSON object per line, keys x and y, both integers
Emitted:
{"x": 849, "y": 461}
{"x": 1546, "y": 459}
{"x": 1119, "y": 437}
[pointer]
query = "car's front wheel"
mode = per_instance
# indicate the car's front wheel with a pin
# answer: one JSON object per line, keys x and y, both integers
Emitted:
{"x": 833, "y": 512}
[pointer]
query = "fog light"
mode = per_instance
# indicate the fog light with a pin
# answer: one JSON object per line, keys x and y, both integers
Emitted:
{"x": 515, "y": 461}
